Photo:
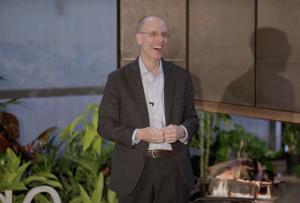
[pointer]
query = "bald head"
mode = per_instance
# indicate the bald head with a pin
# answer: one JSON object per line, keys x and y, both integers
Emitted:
{"x": 146, "y": 19}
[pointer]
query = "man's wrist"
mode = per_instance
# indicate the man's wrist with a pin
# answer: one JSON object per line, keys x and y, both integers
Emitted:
{"x": 185, "y": 137}
{"x": 135, "y": 139}
{"x": 139, "y": 133}
{"x": 182, "y": 131}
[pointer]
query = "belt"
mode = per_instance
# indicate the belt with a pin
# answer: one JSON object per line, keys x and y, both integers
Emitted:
{"x": 158, "y": 153}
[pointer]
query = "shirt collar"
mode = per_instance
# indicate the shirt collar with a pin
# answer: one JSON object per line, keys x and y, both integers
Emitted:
{"x": 144, "y": 70}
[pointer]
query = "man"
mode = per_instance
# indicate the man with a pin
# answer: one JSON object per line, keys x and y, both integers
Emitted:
{"x": 147, "y": 109}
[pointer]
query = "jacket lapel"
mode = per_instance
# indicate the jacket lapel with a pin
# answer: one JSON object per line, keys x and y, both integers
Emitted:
{"x": 169, "y": 81}
{"x": 138, "y": 89}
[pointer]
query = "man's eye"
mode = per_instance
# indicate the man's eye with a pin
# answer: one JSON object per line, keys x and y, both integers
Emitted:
{"x": 154, "y": 34}
{"x": 164, "y": 34}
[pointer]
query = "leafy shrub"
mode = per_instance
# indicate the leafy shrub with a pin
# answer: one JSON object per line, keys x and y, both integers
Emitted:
{"x": 74, "y": 165}
{"x": 228, "y": 145}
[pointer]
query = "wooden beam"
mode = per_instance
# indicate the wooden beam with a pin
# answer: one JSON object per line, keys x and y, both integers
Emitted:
{"x": 249, "y": 111}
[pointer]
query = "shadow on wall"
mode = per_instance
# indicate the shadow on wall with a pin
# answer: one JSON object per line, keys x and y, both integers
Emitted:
{"x": 264, "y": 84}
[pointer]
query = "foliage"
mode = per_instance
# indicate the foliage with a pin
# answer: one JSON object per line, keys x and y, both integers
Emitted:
{"x": 219, "y": 140}
{"x": 85, "y": 156}
{"x": 229, "y": 142}
{"x": 97, "y": 194}
{"x": 297, "y": 170}
{"x": 6, "y": 104}
{"x": 73, "y": 163}
{"x": 291, "y": 137}
{"x": 14, "y": 176}
{"x": 210, "y": 124}
{"x": 11, "y": 172}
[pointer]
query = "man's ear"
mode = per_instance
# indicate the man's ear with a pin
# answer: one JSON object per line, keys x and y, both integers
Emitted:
{"x": 138, "y": 39}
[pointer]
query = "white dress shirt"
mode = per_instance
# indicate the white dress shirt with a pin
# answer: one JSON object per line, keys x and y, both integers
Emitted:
{"x": 154, "y": 94}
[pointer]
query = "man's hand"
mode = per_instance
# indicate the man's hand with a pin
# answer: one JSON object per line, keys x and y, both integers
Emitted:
{"x": 173, "y": 133}
{"x": 151, "y": 135}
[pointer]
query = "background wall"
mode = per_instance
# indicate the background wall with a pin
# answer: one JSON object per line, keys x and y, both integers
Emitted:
{"x": 215, "y": 40}
{"x": 63, "y": 47}
{"x": 56, "y": 54}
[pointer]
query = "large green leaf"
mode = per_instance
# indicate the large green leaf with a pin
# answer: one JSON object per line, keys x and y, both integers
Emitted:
{"x": 13, "y": 161}
{"x": 88, "y": 137}
{"x": 97, "y": 144}
{"x": 33, "y": 178}
{"x": 85, "y": 198}
{"x": 87, "y": 164}
{"x": 22, "y": 169}
{"x": 16, "y": 186}
{"x": 98, "y": 191}
{"x": 43, "y": 180}
{"x": 47, "y": 175}
{"x": 75, "y": 122}
{"x": 111, "y": 196}
{"x": 93, "y": 108}
{"x": 10, "y": 177}
{"x": 64, "y": 133}
{"x": 95, "y": 119}
{"x": 53, "y": 183}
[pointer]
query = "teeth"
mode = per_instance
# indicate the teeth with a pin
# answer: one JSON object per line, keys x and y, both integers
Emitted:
{"x": 157, "y": 47}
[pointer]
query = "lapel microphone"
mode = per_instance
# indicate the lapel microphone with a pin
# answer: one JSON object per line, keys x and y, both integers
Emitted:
{"x": 151, "y": 103}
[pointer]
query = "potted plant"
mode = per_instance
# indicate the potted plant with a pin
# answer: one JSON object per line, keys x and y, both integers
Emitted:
{"x": 76, "y": 163}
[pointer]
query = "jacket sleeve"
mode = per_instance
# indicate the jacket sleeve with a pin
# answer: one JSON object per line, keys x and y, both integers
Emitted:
{"x": 191, "y": 121}
{"x": 109, "y": 125}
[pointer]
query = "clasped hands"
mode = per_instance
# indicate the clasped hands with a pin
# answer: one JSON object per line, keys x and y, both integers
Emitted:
{"x": 169, "y": 134}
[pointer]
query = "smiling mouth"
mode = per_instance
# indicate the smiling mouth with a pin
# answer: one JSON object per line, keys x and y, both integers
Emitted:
{"x": 157, "y": 47}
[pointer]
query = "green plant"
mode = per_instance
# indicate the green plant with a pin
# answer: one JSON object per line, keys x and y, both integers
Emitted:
{"x": 70, "y": 162}
{"x": 11, "y": 172}
{"x": 82, "y": 134}
{"x": 297, "y": 170}
{"x": 291, "y": 138}
{"x": 228, "y": 145}
{"x": 97, "y": 194}
{"x": 16, "y": 176}
{"x": 86, "y": 155}
{"x": 210, "y": 124}
{"x": 6, "y": 104}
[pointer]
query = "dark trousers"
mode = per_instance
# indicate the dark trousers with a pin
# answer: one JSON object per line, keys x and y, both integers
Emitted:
{"x": 160, "y": 182}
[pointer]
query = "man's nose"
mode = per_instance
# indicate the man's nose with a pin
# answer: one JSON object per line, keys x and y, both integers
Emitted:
{"x": 160, "y": 37}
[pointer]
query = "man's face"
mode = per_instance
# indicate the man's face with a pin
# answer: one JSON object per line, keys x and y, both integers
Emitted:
{"x": 152, "y": 39}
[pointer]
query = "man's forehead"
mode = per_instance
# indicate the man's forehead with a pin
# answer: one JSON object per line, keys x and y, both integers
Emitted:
{"x": 152, "y": 20}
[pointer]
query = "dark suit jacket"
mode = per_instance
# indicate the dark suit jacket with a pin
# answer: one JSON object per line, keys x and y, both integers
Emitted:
{"x": 123, "y": 109}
